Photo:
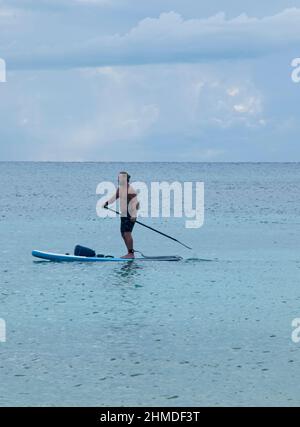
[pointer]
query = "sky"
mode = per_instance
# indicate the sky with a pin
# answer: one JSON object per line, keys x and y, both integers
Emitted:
{"x": 159, "y": 80}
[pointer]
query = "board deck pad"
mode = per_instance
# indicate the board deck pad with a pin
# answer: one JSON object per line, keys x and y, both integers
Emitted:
{"x": 49, "y": 256}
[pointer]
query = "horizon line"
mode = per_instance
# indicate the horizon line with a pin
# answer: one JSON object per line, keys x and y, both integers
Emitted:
{"x": 151, "y": 161}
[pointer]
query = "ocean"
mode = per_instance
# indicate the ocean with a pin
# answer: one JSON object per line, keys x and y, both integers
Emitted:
{"x": 213, "y": 329}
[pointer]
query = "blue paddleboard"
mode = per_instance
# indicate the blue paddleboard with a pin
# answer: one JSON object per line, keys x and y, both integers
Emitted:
{"x": 49, "y": 256}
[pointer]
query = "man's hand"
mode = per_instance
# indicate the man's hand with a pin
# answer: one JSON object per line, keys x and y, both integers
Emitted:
{"x": 105, "y": 205}
{"x": 132, "y": 219}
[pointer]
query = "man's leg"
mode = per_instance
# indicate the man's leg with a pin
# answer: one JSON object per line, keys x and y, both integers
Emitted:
{"x": 127, "y": 237}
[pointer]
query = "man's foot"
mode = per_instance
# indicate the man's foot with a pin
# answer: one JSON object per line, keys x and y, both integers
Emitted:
{"x": 128, "y": 256}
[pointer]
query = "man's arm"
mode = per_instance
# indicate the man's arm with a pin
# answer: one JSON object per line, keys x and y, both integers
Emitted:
{"x": 112, "y": 199}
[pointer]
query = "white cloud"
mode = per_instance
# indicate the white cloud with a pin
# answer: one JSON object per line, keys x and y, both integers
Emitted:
{"x": 170, "y": 38}
{"x": 38, "y": 4}
{"x": 251, "y": 105}
{"x": 203, "y": 109}
{"x": 118, "y": 129}
{"x": 94, "y": 2}
{"x": 131, "y": 112}
{"x": 234, "y": 91}
{"x": 4, "y": 12}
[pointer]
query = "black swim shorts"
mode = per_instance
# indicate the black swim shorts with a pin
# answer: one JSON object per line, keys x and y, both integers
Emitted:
{"x": 127, "y": 225}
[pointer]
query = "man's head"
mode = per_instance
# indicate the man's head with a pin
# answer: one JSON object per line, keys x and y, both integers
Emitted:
{"x": 124, "y": 177}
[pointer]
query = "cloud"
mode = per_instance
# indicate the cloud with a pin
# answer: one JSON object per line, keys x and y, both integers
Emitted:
{"x": 2, "y": 71}
{"x": 93, "y": 2}
{"x": 128, "y": 113}
{"x": 5, "y": 13}
{"x": 183, "y": 104}
{"x": 171, "y": 39}
{"x": 52, "y": 4}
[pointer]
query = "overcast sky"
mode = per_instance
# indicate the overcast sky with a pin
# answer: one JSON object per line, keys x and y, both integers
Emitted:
{"x": 149, "y": 80}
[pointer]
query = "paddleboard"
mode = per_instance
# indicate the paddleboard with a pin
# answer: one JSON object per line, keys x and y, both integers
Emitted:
{"x": 49, "y": 256}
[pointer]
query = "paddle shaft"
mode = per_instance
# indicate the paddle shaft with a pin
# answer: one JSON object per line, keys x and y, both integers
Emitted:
{"x": 153, "y": 229}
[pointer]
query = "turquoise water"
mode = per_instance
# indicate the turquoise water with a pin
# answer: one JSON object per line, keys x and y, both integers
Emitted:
{"x": 195, "y": 332}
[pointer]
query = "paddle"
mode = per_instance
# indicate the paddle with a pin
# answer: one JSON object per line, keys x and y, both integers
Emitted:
{"x": 150, "y": 228}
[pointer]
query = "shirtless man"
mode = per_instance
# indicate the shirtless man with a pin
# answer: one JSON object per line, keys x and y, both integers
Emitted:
{"x": 129, "y": 206}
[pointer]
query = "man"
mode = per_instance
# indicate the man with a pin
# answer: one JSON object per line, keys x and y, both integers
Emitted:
{"x": 129, "y": 206}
